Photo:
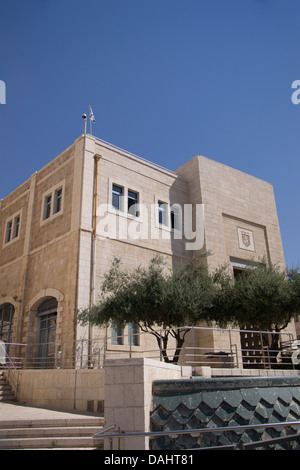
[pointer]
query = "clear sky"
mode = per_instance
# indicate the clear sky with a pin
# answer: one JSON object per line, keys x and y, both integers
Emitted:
{"x": 167, "y": 79}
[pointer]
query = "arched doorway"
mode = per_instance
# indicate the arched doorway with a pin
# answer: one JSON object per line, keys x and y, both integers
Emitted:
{"x": 47, "y": 316}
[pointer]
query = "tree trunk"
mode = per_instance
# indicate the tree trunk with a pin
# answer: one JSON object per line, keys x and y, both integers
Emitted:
{"x": 162, "y": 342}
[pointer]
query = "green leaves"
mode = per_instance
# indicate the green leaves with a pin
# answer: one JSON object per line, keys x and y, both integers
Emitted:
{"x": 157, "y": 297}
{"x": 264, "y": 297}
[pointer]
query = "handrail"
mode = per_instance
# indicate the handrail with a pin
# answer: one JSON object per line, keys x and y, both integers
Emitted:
{"x": 200, "y": 431}
{"x": 104, "y": 430}
{"x": 100, "y": 434}
{"x": 10, "y": 368}
{"x": 275, "y": 440}
{"x": 91, "y": 353}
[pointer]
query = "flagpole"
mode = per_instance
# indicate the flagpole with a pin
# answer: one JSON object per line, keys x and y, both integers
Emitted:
{"x": 92, "y": 119}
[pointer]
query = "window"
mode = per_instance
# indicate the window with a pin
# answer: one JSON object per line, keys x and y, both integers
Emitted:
{"x": 12, "y": 228}
{"x": 57, "y": 200}
{"x": 8, "y": 231}
{"x": 47, "y": 206}
{"x": 117, "y": 193}
{"x": 175, "y": 221}
{"x": 53, "y": 202}
{"x": 133, "y": 335}
{"x": 162, "y": 213}
{"x": 133, "y": 203}
{"x": 117, "y": 334}
{"x": 16, "y": 227}
{"x": 121, "y": 336}
{"x": 47, "y": 313}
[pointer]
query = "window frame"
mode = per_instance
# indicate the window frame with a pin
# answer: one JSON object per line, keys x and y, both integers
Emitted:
{"x": 12, "y": 228}
{"x": 126, "y": 190}
{"x": 123, "y": 337}
{"x": 162, "y": 208}
{"x": 135, "y": 204}
{"x": 119, "y": 195}
{"x": 133, "y": 335}
{"x": 47, "y": 207}
{"x": 53, "y": 202}
{"x": 57, "y": 203}
{"x": 116, "y": 334}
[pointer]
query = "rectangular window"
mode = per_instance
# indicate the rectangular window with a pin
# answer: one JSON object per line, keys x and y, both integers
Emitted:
{"x": 116, "y": 334}
{"x": 117, "y": 193}
{"x": 16, "y": 227}
{"x": 133, "y": 203}
{"x": 175, "y": 216}
{"x": 47, "y": 206}
{"x": 162, "y": 213}
{"x": 133, "y": 334}
{"x": 57, "y": 200}
{"x": 12, "y": 229}
{"x": 52, "y": 202}
{"x": 8, "y": 231}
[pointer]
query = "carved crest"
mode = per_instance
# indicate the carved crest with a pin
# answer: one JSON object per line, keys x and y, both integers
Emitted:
{"x": 246, "y": 239}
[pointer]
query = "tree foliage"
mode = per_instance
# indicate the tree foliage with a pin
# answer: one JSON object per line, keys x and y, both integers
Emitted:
{"x": 160, "y": 301}
{"x": 165, "y": 302}
{"x": 263, "y": 297}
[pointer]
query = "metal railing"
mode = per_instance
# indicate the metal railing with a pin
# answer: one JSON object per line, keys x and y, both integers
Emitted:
{"x": 201, "y": 431}
{"x": 11, "y": 365}
{"x": 230, "y": 352}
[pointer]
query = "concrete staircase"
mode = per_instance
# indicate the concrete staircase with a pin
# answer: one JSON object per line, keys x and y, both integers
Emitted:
{"x": 57, "y": 434}
{"x": 6, "y": 393}
{"x": 51, "y": 432}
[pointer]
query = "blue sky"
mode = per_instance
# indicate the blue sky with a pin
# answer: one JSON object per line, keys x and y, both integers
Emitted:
{"x": 167, "y": 79}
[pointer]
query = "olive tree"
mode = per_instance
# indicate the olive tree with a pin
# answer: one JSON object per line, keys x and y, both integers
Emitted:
{"x": 163, "y": 302}
{"x": 265, "y": 298}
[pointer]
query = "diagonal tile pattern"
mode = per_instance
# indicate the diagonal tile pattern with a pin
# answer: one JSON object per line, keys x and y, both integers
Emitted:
{"x": 209, "y": 403}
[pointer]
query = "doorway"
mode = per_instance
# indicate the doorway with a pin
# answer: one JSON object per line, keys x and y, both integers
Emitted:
{"x": 47, "y": 313}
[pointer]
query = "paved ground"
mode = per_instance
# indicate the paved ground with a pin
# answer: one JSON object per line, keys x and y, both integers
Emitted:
{"x": 22, "y": 412}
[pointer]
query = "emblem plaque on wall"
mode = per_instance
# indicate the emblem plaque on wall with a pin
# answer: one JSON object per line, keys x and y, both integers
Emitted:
{"x": 246, "y": 241}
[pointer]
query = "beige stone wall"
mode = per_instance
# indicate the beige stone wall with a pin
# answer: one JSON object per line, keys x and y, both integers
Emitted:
{"x": 63, "y": 389}
{"x": 128, "y": 396}
{"x": 233, "y": 199}
{"x": 152, "y": 185}
{"x": 57, "y": 255}
{"x": 42, "y": 260}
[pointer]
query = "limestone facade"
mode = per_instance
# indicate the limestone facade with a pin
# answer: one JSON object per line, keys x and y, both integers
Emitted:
{"x": 60, "y": 230}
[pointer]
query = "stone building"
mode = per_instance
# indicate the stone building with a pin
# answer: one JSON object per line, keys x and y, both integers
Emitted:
{"x": 60, "y": 230}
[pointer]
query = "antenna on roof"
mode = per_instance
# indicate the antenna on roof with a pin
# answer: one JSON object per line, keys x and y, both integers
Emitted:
{"x": 84, "y": 116}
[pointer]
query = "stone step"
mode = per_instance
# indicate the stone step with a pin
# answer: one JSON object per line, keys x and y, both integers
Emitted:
{"x": 35, "y": 432}
{"x": 8, "y": 397}
{"x": 88, "y": 421}
{"x": 6, "y": 393}
{"x": 56, "y": 433}
{"x": 53, "y": 442}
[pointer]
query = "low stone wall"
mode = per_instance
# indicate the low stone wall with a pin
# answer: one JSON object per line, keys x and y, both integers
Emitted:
{"x": 220, "y": 402}
{"x": 67, "y": 389}
{"x": 143, "y": 394}
{"x": 128, "y": 396}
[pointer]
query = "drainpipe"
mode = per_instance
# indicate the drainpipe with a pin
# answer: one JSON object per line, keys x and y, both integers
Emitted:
{"x": 97, "y": 157}
{"x": 84, "y": 117}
